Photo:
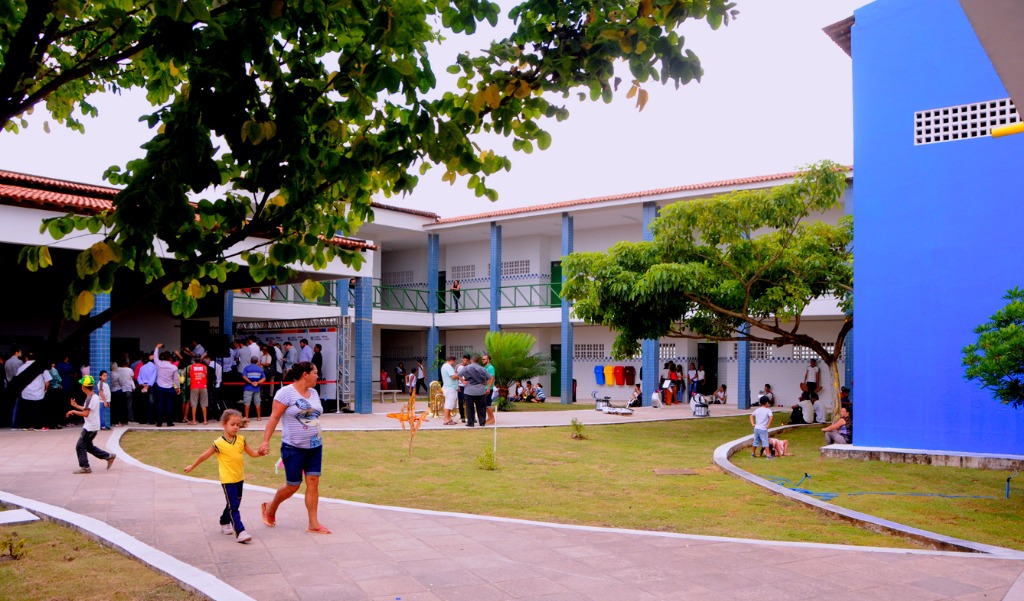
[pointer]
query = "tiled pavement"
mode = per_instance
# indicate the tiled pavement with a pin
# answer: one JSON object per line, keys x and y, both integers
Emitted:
{"x": 386, "y": 554}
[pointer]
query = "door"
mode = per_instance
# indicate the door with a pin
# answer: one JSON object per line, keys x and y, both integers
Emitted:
{"x": 707, "y": 355}
{"x": 556, "y": 376}
{"x": 442, "y": 291}
{"x": 556, "y": 283}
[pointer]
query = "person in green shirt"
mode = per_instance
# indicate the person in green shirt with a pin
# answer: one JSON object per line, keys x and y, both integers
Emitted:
{"x": 489, "y": 395}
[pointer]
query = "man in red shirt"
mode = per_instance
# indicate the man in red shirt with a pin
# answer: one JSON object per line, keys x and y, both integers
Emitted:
{"x": 198, "y": 374}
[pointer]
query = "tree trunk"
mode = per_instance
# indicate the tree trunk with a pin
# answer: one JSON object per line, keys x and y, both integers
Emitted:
{"x": 833, "y": 370}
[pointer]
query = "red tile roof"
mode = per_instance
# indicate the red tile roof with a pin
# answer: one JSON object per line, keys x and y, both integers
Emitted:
{"x": 625, "y": 196}
{"x": 840, "y": 34}
{"x": 19, "y": 189}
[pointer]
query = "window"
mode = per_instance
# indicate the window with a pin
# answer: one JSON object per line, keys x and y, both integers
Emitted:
{"x": 458, "y": 350}
{"x": 962, "y": 122}
{"x": 396, "y": 352}
{"x": 462, "y": 272}
{"x": 804, "y": 353}
{"x": 588, "y": 352}
{"x": 758, "y": 351}
{"x": 666, "y": 351}
{"x": 512, "y": 268}
{"x": 397, "y": 278}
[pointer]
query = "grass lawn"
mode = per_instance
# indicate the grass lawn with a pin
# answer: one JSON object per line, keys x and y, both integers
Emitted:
{"x": 61, "y": 563}
{"x": 995, "y": 520}
{"x": 606, "y": 480}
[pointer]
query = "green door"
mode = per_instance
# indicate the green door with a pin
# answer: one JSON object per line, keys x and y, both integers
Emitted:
{"x": 556, "y": 285}
{"x": 556, "y": 376}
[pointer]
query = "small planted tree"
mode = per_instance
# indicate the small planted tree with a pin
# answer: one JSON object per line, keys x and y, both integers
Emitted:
{"x": 513, "y": 360}
{"x": 996, "y": 360}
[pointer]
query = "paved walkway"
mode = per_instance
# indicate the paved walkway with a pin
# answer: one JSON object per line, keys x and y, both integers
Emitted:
{"x": 384, "y": 554}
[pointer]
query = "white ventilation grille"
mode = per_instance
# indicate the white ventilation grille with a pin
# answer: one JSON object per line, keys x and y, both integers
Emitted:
{"x": 962, "y": 122}
{"x": 397, "y": 278}
{"x": 462, "y": 272}
{"x": 588, "y": 352}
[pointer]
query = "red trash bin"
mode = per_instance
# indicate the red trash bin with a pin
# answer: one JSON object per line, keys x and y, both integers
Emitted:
{"x": 620, "y": 375}
{"x": 630, "y": 375}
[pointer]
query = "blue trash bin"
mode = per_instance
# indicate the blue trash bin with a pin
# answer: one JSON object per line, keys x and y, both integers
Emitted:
{"x": 599, "y": 374}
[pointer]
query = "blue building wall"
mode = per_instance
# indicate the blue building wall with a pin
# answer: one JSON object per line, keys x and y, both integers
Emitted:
{"x": 939, "y": 236}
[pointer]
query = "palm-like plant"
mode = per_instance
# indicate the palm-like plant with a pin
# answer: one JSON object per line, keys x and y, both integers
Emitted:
{"x": 512, "y": 358}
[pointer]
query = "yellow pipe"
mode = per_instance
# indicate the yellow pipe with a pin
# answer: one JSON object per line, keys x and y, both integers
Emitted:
{"x": 1008, "y": 130}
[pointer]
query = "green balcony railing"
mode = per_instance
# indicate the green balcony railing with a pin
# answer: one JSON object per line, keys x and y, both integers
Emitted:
{"x": 396, "y": 298}
{"x": 288, "y": 293}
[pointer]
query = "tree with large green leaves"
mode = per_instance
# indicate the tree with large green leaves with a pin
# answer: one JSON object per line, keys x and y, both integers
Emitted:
{"x": 996, "y": 360}
{"x": 742, "y": 266}
{"x": 282, "y": 120}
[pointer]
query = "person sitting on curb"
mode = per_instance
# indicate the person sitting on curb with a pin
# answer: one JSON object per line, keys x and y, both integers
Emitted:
{"x": 841, "y": 430}
{"x": 803, "y": 411}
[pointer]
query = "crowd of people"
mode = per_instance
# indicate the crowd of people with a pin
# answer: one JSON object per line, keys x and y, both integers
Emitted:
{"x": 160, "y": 387}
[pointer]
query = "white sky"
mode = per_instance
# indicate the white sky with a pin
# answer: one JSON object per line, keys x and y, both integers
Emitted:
{"x": 776, "y": 95}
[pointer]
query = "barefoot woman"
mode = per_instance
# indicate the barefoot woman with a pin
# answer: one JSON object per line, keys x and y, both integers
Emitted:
{"x": 297, "y": 406}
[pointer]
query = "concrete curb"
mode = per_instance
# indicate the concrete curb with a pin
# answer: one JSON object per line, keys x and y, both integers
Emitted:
{"x": 941, "y": 541}
{"x": 188, "y": 577}
{"x": 113, "y": 443}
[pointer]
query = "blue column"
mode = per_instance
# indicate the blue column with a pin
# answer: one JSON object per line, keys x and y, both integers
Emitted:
{"x": 650, "y": 349}
{"x": 567, "y": 341}
{"x": 433, "y": 268}
{"x": 743, "y": 370}
{"x": 227, "y": 316}
{"x": 363, "y": 334}
{"x": 495, "y": 275}
{"x": 99, "y": 349}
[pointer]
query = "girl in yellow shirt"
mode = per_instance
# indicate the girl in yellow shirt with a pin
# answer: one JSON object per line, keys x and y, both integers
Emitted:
{"x": 230, "y": 449}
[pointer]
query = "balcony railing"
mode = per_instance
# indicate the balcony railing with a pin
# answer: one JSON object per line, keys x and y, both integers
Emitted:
{"x": 396, "y": 298}
{"x": 288, "y": 293}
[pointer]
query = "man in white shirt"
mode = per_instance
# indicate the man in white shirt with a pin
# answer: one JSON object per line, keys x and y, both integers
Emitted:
{"x": 819, "y": 409}
{"x": 254, "y": 349}
{"x": 812, "y": 377}
{"x": 32, "y": 408}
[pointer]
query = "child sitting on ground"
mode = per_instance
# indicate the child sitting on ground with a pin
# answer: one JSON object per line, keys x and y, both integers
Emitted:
{"x": 231, "y": 466}
{"x": 90, "y": 410}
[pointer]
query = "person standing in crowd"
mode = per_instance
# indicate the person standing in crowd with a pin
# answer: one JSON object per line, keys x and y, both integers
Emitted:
{"x": 421, "y": 376}
{"x": 198, "y": 384}
{"x": 305, "y": 352}
{"x": 489, "y": 393}
{"x": 147, "y": 386}
{"x": 89, "y": 410}
{"x": 267, "y": 365}
{"x": 462, "y": 387}
{"x": 214, "y": 369}
{"x": 450, "y": 389}
{"x": 122, "y": 385}
{"x": 253, "y": 377}
{"x": 297, "y": 407}
{"x": 55, "y": 401}
{"x": 250, "y": 344}
{"x": 476, "y": 379}
{"x": 291, "y": 356}
{"x": 400, "y": 376}
{"x": 167, "y": 387}
{"x": 410, "y": 383}
{"x": 318, "y": 363}
{"x": 244, "y": 355}
{"x": 456, "y": 294}
{"x": 278, "y": 354}
{"x": 11, "y": 367}
{"x": 30, "y": 411}
{"x": 812, "y": 377}
{"x": 691, "y": 381}
{"x": 103, "y": 391}
{"x": 701, "y": 376}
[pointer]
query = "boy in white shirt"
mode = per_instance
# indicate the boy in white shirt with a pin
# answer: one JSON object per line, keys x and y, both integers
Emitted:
{"x": 90, "y": 410}
{"x": 761, "y": 419}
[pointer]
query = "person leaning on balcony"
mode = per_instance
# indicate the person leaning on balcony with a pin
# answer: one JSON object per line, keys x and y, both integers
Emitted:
{"x": 456, "y": 294}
